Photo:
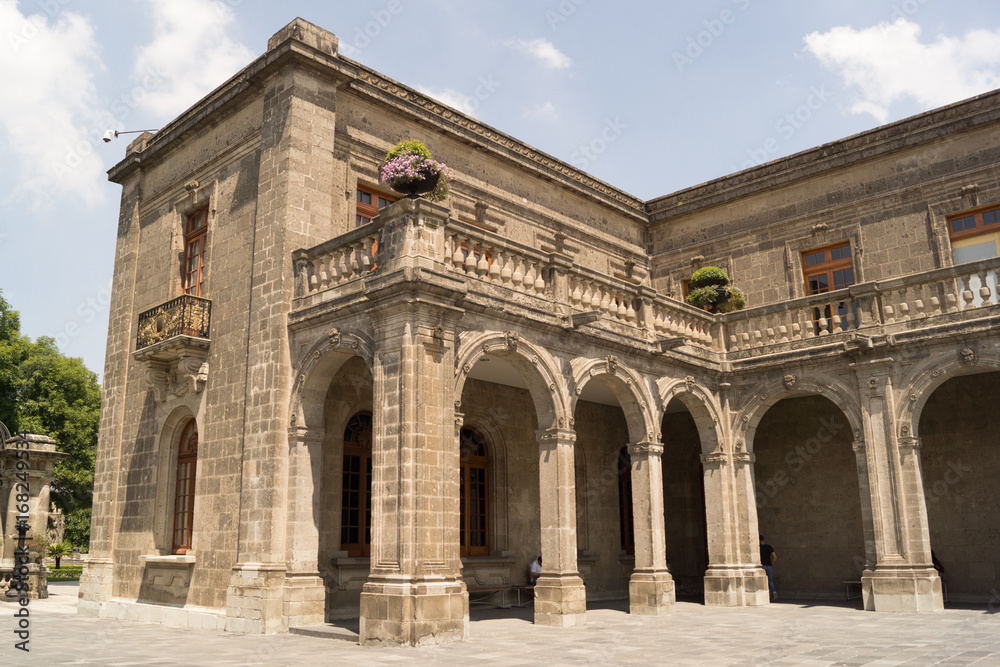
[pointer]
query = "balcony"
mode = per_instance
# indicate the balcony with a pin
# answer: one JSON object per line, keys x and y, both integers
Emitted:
{"x": 172, "y": 341}
{"x": 499, "y": 274}
{"x": 956, "y": 299}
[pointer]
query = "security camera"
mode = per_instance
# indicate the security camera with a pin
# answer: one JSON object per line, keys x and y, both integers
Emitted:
{"x": 109, "y": 135}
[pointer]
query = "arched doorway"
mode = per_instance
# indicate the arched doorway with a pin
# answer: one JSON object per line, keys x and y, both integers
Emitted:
{"x": 684, "y": 501}
{"x": 808, "y": 497}
{"x": 959, "y": 429}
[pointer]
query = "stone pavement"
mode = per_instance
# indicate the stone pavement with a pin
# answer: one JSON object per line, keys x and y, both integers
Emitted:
{"x": 789, "y": 633}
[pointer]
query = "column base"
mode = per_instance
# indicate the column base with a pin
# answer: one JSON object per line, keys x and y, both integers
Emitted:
{"x": 560, "y": 600}
{"x": 904, "y": 589}
{"x": 96, "y": 586}
{"x": 651, "y": 593}
{"x": 304, "y": 599}
{"x": 255, "y": 599}
{"x": 736, "y": 586}
{"x": 413, "y": 611}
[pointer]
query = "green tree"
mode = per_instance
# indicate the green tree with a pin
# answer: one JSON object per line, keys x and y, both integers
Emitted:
{"x": 44, "y": 392}
{"x": 57, "y": 551}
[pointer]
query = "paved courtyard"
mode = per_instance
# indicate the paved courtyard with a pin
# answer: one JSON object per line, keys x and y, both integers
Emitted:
{"x": 788, "y": 633}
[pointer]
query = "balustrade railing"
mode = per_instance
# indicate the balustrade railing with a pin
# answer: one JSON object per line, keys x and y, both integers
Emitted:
{"x": 889, "y": 303}
{"x": 481, "y": 254}
{"x": 338, "y": 260}
{"x": 616, "y": 299}
{"x": 184, "y": 316}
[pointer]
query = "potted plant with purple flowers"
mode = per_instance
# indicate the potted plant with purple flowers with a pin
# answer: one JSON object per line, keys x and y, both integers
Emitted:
{"x": 410, "y": 170}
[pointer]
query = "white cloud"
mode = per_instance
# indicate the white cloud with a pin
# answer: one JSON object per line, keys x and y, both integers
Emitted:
{"x": 48, "y": 104}
{"x": 545, "y": 111}
{"x": 191, "y": 53}
{"x": 453, "y": 98}
{"x": 544, "y": 50}
{"x": 888, "y": 63}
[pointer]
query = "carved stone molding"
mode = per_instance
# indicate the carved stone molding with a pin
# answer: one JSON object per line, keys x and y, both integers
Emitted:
{"x": 967, "y": 356}
{"x": 644, "y": 449}
{"x": 176, "y": 373}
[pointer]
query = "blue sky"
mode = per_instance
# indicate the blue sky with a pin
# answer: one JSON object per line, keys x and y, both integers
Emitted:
{"x": 650, "y": 97}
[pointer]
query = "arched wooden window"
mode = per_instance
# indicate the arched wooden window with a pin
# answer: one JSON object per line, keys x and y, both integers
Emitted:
{"x": 474, "y": 493}
{"x": 625, "y": 522}
{"x": 356, "y": 508}
{"x": 187, "y": 464}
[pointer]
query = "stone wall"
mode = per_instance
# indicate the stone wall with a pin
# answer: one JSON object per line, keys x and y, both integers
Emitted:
{"x": 959, "y": 428}
{"x": 808, "y": 502}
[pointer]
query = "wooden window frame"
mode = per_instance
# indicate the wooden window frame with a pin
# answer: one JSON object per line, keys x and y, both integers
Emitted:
{"x": 365, "y": 213}
{"x": 472, "y": 464}
{"x": 980, "y": 225}
{"x": 184, "y": 496}
{"x": 195, "y": 241}
{"x": 829, "y": 266}
{"x": 626, "y": 519}
{"x": 359, "y": 427}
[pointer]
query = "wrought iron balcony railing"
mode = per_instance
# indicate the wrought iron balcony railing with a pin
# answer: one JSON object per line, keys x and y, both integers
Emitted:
{"x": 184, "y": 316}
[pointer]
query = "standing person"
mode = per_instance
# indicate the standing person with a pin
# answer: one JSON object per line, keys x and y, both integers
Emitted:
{"x": 535, "y": 570}
{"x": 767, "y": 560}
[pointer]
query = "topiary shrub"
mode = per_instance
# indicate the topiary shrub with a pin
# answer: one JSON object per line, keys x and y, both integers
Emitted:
{"x": 710, "y": 289}
{"x": 708, "y": 276}
{"x": 736, "y": 301}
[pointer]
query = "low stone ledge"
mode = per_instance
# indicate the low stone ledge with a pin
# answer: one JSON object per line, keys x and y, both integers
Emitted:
{"x": 172, "y": 559}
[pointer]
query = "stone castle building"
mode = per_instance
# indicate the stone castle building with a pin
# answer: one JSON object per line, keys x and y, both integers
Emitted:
{"x": 321, "y": 403}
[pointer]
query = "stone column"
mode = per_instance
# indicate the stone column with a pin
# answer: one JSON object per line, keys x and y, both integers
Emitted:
{"x": 31, "y": 479}
{"x": 560, "y": 597}
{"x": 415, "y": 593}
{"x": 304, "y": 601}
{"x": 651, "y": 588}
{"x": 903, "y": 578}
{"x": 734, "y": 577}
{"x": 297, "y": 160}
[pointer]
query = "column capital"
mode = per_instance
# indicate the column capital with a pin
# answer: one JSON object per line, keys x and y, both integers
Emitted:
{"x": 911, "y": 443}
{"x": 645, "y": 449}
{"x": 717, "y": 459}
{"x": 744, "y": 458}
{"x": 550, "y": 437}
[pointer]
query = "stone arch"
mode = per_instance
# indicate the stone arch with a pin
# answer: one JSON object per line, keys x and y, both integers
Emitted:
{"x": 924, "y": 378}
{"x": 702, "y": 405}
{"x": 314, "y": 373}
{"x": 537, "y": 367}
{"x": 628, "y": 387}
{"x": 166, "y": 473}
{"x": 498, "y": 474}
{"x": 839, "y": 392}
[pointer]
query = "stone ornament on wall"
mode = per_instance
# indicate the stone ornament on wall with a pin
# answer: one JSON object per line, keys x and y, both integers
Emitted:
{"x": 967, "y": 356}
{"x": 789, "y": 381}
{"x": 187, "y": 374}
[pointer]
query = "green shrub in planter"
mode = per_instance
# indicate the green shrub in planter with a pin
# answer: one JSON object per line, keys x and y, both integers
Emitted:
{"x": 708, "y": 276}
{"x": 736, "y": 301}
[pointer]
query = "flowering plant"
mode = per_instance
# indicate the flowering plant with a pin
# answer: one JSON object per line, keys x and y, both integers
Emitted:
{"x": 409, "y": 162}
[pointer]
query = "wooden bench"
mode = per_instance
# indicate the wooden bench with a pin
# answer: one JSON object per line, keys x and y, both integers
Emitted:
{"x": 850, "y": 585}
{"x": 516, "y": 596}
